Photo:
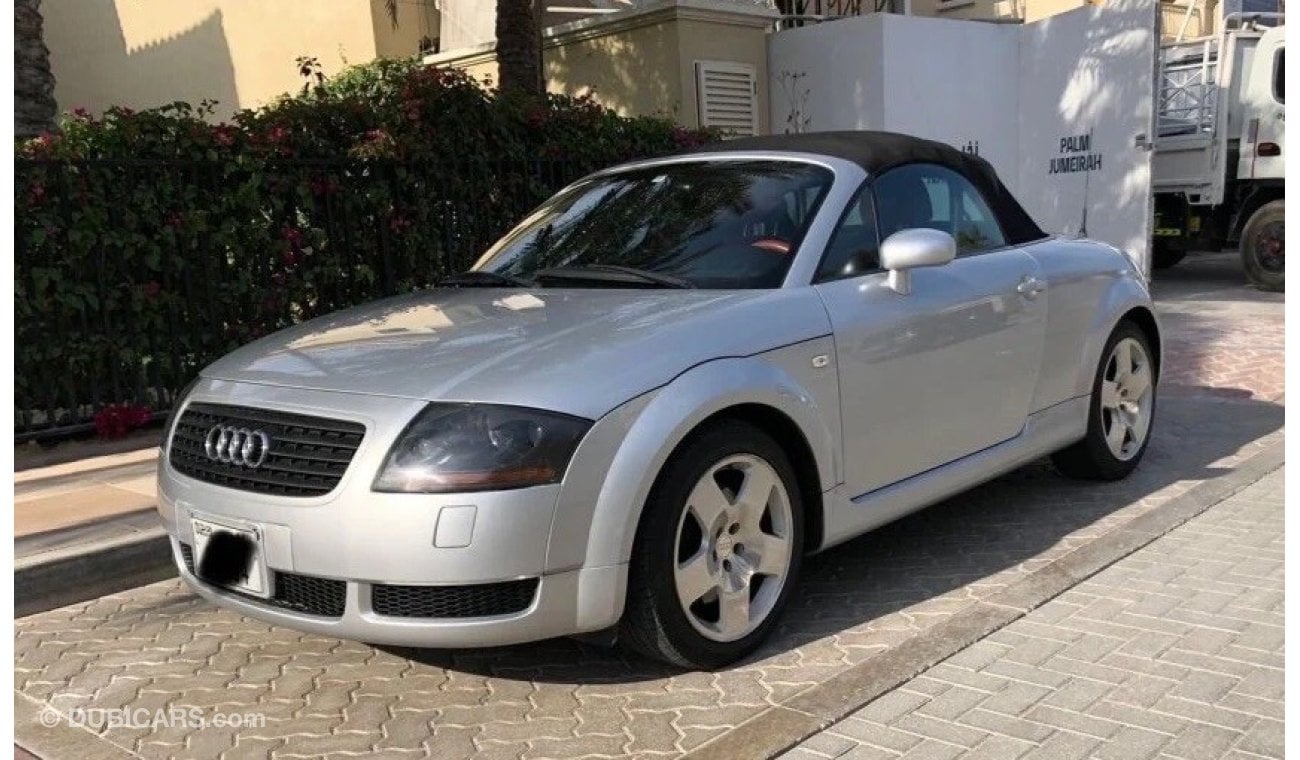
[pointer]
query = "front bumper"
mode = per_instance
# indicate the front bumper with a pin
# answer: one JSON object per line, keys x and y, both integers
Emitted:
{"x": 363, "y": 539}
{"x": 555, "y": 611}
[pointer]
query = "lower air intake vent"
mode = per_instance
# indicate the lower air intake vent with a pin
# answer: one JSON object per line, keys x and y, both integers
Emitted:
{"x": 477, "y": 600}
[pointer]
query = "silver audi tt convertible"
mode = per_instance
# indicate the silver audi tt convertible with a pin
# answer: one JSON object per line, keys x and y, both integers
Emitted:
{"x": 649, "y": 401}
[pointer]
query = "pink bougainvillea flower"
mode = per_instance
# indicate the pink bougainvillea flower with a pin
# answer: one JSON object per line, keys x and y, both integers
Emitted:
{"x": 292, "y": 235}
{"x": 116, "y": 420}
{"x": 398, "y": 223}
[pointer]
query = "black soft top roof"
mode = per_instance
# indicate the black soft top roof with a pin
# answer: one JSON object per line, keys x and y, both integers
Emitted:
{"x": 878, "y": 152}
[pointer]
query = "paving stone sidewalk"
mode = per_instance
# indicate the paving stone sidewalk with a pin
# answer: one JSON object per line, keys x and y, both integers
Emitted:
{"x": 1173, "y": 652}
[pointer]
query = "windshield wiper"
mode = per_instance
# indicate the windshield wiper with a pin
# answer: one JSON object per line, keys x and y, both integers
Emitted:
{"x": 483, "y": 279}
{"x": 612, "y": 273}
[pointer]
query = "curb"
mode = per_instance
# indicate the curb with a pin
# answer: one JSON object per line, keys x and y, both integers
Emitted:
{"x": 783, "y": 726}
{"x": 87, "y": 571}
{"x": 139, "y": 462}
{"x": 87, "y": 457}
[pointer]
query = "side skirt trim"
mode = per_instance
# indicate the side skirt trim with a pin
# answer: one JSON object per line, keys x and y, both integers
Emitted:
{"x": 1045, "y": 431}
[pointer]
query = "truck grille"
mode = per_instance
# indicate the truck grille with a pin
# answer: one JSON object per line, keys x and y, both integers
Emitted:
{"x": 477, "y": 600}
{"x": 324, "y": 597}
{"x": 307, "y": 455}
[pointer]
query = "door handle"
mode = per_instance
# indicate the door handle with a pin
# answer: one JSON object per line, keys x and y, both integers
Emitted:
{"x": 1030, "y": 287}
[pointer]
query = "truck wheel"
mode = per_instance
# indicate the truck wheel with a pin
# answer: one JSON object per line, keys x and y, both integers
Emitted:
{"x": 1164, "y": 255}
{"x": 1263, "y": 247}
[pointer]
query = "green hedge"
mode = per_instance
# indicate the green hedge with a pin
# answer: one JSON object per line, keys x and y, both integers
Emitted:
{"x": 151, "y": 242}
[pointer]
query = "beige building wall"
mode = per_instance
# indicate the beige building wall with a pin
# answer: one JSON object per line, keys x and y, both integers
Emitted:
{"x": 642, "y": 61}
{"x": 723, "y": 39}
{"x": 416, "y": 21}
{"x": 1201, "y": 23}
{"x": 1013, "y": 11}
{"x": 1007, "y": 11}
{"x": 633, "y": 70}
{"x": 143, "y": 53}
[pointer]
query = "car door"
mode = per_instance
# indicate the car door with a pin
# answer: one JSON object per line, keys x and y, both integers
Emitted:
{"x": 948, "y": 369}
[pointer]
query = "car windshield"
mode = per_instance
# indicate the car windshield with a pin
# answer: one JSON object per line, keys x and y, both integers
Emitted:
{"x": 703, "y": 224}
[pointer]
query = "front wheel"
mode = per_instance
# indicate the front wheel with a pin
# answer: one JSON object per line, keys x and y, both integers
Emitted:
{"x": 1263, "y": 247}
{"x": 717, "y": 551}
{"x": 1120, "y": 413}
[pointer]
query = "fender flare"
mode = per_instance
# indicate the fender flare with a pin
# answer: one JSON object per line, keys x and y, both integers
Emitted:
{"x": 1123, "y": 296}
{"x": 675, "y": 411}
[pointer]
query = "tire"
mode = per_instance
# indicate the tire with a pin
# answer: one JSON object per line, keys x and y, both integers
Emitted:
{"x": 1263, "y": 247}
{"x": 673, "y": 538}
{"x": 1164, "y": 256}
{"x": 1095, "y": 457}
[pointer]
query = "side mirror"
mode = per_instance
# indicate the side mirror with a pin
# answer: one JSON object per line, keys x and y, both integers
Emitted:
{"x": 906, "y": 250}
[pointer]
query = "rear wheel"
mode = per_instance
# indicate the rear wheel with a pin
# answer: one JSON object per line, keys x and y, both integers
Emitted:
{"x": 1263, "y": 247}
{"x": 718, "y": 549}
{"x": 1120, "y": 413}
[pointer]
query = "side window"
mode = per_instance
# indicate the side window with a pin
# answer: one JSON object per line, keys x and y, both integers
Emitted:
{"x": 854, "y": 248}
{"x": 977, "y": 230}
{"x": 1279, "y": 75}
{"x": 925, "y": 195}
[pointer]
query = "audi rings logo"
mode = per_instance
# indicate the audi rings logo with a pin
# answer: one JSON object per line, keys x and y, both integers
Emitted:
{"x": 237, "y": 445}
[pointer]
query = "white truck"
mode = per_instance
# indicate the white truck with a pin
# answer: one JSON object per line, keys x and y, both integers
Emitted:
{"x": 1217, "y": 169}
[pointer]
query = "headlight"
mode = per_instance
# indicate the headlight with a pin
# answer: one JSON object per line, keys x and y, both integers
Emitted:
{"x": 480, "y": 447}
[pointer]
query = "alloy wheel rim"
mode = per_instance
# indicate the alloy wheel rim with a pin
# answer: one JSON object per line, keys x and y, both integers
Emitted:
{"x": 1126, "y": 399}
{"x": 733, "y": 548}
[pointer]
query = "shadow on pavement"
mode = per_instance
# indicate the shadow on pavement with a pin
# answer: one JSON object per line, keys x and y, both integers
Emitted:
{"x": 1208, "y": 277}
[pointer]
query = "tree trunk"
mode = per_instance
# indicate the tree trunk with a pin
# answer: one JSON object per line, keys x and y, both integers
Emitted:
{"x": 34, "y": 106}
{"x": 519, "y": 46}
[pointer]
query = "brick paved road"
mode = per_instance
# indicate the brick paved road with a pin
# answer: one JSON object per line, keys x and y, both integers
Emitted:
{"x": 1173, "y": 652}
{"x": 161, "y": 646}
{"x": 1225, "y": 338}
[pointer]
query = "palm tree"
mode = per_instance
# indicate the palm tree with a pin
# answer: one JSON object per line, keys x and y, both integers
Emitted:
{"x": 519, "y": 46}
{"x": 34, "y": 106}
{"x": 519, "y": 43}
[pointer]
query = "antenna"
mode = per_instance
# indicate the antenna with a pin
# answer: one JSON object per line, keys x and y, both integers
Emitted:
{"x": 1087, "y": 173}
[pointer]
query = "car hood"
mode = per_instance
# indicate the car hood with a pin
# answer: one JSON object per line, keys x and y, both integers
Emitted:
{"x": 582, "y": 352}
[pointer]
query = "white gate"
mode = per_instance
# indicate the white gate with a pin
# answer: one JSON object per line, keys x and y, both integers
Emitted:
{"x": 1063, "y": 108}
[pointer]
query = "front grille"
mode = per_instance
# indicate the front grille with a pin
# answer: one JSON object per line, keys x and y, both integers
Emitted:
{"x": 308, "y": 455}
{"x": 478, "y": 600}
{"x": 324, "y": 597}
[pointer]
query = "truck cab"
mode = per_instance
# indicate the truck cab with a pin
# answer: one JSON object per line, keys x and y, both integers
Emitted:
{"x": 1218, "y": 163}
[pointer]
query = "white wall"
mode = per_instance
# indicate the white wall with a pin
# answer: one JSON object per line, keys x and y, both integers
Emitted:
{"x": 959, "y": 86}
{"x": 1089, "y": 74}
{"x": 1008, "y": 92}
{"x": 828, "y": 74}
